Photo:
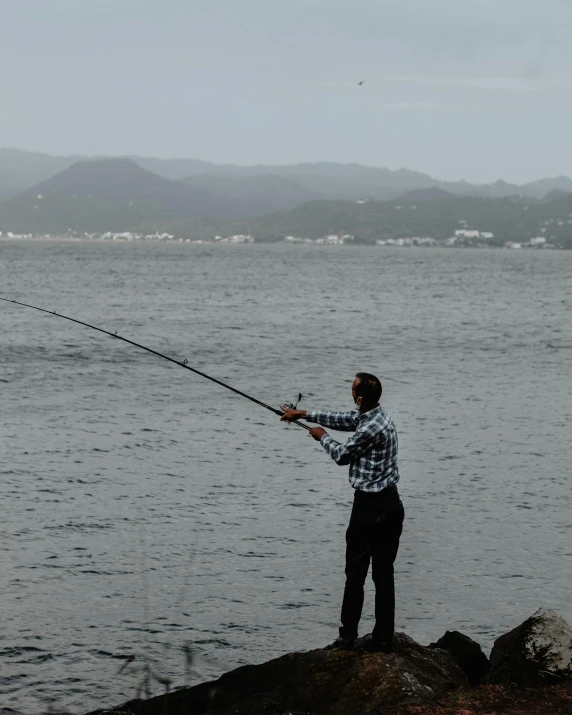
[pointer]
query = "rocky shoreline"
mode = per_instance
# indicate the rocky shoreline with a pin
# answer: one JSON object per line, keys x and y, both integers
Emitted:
{"x": 529, "y": 671}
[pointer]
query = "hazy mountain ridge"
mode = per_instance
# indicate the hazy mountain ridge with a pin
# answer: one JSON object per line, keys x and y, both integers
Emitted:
{"x": 432, "y": 194}
{"x": 265, "y": 194}
{"x": 20, "y": 170}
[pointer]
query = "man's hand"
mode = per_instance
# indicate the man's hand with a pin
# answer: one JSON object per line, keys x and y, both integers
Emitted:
{"x": 317, "y": 433}
{"x": 291, "y": 415}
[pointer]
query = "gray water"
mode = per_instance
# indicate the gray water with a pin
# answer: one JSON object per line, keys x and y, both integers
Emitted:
{"x": 145, "y": 509}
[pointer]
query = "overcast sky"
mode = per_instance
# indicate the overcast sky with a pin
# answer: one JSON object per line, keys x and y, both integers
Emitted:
{"x": 475, "y": 89}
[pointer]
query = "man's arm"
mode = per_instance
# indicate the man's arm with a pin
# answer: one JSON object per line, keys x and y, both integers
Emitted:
{"x": 342, "y": 421}
{"x": 348, "y": 451}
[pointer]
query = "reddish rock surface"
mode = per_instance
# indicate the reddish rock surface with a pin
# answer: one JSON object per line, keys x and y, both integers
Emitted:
{"x": 496, "y": 700}
{"x": 486, "y": 700}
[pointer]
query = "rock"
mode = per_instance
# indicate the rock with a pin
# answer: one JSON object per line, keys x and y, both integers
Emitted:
{"x": 497, "y": 700}
{"x": 538, "y": 652}
{"x": 466, "y": 653}
{"x": 318, "y": 682}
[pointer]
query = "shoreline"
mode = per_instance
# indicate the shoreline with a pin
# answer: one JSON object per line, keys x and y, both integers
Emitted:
{"x": 309, "y": 242}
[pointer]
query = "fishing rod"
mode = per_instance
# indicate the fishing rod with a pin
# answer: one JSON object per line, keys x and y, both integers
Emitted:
{"x": 184, "y": 363}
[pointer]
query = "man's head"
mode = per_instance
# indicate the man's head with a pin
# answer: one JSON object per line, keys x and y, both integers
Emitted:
{"x": 366, "y": 391}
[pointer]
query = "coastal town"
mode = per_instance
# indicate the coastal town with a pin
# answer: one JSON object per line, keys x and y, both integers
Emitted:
{"x": 462, "y": 238}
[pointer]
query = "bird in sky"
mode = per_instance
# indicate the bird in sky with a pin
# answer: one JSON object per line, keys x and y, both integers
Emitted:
{"x": 362, "y": 81}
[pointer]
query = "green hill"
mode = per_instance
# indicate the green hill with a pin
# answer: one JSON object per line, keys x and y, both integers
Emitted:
{"x": 509, "y": 219}
{"x": 108, "y": 195}
{"x": 392, "y": 219}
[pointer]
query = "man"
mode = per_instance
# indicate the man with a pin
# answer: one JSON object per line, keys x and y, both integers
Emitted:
{"x": 377, "y": 515}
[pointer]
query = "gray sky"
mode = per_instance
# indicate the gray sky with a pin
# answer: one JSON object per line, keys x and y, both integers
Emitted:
{"x": 475, "y": 89}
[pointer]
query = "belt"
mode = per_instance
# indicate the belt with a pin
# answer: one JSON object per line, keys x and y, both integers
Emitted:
{"x": 383, "y": 494}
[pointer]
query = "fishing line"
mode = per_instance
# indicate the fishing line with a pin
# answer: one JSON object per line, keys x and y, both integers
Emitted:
{"x": 184, "y": 363}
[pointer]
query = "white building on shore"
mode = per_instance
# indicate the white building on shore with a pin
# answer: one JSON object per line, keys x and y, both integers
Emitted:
{"x": 239, "y": 238}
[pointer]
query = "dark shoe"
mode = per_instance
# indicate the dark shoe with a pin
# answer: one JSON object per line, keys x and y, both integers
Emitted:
{"x": 372, "y": 645}
{"x": 342, "y": 644}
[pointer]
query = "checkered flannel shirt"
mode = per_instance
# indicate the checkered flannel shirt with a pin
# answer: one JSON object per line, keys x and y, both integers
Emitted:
{"x": 371, "y": 452}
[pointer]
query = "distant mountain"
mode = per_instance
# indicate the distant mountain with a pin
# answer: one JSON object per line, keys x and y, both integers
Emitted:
{"x": 500, "y": 189}
{"x": 556, "y": 194}
{"x": 21, "y": 170}
{"x": 432, "y": 194}
{"x": 387, "y": 219}
{"x": 108, "y": 195}
{"x": 338, "y": 181}
{"x": 262, "y": 194}
{"x": 119, "y": 195}
{"x": 509, "y": 218}
{"x": 175, "y": 169}
{"x": 541, "y": 187}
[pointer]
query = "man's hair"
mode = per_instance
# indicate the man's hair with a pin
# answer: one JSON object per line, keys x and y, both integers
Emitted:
{"x": 368, "y": 387}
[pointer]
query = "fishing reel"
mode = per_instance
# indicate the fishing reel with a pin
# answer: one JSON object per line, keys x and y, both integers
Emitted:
{"x": 292, "y": 406}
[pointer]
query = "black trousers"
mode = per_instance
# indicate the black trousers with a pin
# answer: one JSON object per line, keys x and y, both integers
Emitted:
{"x": 373, "y": 535}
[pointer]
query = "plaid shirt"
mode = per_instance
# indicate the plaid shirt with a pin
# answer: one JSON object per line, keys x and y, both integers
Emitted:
{"x": 371, "y": 452}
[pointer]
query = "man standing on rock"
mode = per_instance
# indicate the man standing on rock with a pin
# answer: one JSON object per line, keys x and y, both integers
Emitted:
{"x": 377, "y": 515}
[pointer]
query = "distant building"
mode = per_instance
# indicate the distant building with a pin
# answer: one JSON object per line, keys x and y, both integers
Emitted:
{"x": 467, "y": 233}
{"x": 333, "y": 239}
{"x": 407, "y": 241}
{"x": 239, "y": 238}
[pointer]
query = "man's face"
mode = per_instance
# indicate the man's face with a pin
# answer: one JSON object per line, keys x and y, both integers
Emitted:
{"x": 354, "y": 385}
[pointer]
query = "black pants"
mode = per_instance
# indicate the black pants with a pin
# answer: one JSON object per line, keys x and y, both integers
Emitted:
{"x": 373, "y": 535}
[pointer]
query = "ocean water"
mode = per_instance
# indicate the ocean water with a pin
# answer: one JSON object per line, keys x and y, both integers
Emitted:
{"x": 148, "y": 513}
